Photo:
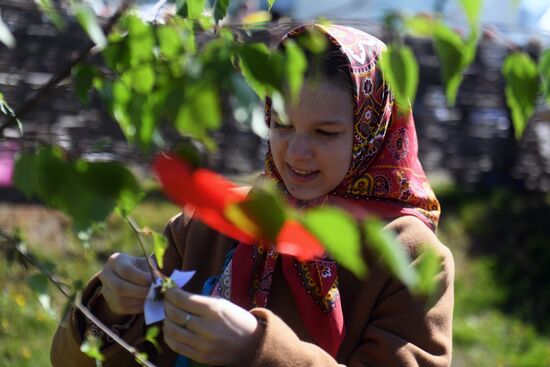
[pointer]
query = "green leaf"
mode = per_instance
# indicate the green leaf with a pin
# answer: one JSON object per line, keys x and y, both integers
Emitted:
{"x": 191, "y": 9}
{"x": 400, "y": 70}
{"x": 391, "y": 251}
{"x": 86, "y": 191}
{"x": 143, "y": 78}
{"x": 117, "y": 53}
{"x": 338, "y": 232}
{"x": 151, "y": 336}
{"x": 141, "y": 41}
{"x": 429, "y": 266}
{"x": 170, "y": 41}
{"x": 88, "y": 20}
{"x": 159, "y": 245}
{"x": 522, "y": 87}
{"x": 270, "y": 4}
{"x": 8, "y": 111}
{"x": 47, "y": 8}
{"x": 296, "y": 65}
{"x": 92, "y": 348}
{"x": 450, "y": 50}
{"x": 83, "y": 75}
{"x": 544, "y": 69}
{"x": 420, "y": 25}
{"x": 220, "y": 9}
{"x": 200, "y": 110}
{"x": 5, "y": 35}
{"x": 262, "y": 69}
{"x": 472, "y": 8}
{"x": 39, "y": 284}
{"x": 266, "y": 208}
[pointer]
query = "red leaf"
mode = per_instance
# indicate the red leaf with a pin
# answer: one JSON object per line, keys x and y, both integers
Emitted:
{"x": 295, "y": 240}
{"x": 206, "y": 191}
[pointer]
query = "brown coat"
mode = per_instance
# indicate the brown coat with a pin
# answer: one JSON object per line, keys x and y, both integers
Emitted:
{"x": 385, "y": 325}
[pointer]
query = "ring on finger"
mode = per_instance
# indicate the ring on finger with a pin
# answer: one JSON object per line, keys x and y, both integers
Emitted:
{"x": 186, "y": 320}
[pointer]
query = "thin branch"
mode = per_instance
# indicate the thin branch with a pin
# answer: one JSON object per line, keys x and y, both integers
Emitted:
{"x": 90, "y": 316}
{"x": 29, "y": 104}
{"x": 31, "y": 259}
{"x": 138, "y": 231}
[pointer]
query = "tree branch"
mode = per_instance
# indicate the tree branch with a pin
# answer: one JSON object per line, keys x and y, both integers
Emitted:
{"x": 29, "y": 104}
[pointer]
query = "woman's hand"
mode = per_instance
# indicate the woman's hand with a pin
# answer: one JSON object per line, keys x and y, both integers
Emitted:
{"x": 209, "y": 330}
{"x": 125, "y": 283}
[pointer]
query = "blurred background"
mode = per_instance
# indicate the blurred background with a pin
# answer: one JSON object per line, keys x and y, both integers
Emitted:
{"x": 494, "y": 189}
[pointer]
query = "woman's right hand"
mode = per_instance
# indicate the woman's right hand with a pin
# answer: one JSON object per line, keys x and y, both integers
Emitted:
{"x": 125, "y": 283}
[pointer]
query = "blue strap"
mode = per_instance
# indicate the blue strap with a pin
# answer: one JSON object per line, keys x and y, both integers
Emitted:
{"x": 207, "y": 289}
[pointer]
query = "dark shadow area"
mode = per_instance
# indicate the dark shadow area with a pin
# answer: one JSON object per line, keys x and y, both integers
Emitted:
{"x": 513, "y": 228}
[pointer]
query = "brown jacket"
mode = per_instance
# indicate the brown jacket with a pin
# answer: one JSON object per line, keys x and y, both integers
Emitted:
{"x": 385, "y": 325}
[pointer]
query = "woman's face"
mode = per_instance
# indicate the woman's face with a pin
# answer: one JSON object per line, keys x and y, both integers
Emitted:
{"x": 313, "y": 152}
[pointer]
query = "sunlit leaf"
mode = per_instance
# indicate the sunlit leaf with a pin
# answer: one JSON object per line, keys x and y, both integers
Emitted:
{"x": 191, "y": 9}
{"x": 472, "y": 8}
{"x": 420, "y": 25}
{"x": 5, "y": 35}
{"x": 450, "y": 50}
{"x": 48, "y": 8}
{"x": 141, "y": 40}
{"x": 339, "y": 233}
{"x": 544, "y": 69}
{"x": 169, "y": 40}
{"x": 151, "y": 336}
{"x": 400, "y": 70}
{"x": 8, "y": 111}
{"x": 266, "y": 207}
{"x": 257, "y": 19}
{"x": 220, "y": 9}
{"x": 143, "y": 78}
{"x": 92, "y": 348}
{"x": 83, "y": 75}
{"x": 296, "y": 65}
{"x": 522, "y": 87}
{"x": 391, "y": 252}
{"x": 429, "y": 266}
{"x": 88, "y": 20}
{"x": 199, "y": 111}
{"x": 159, "y": 245}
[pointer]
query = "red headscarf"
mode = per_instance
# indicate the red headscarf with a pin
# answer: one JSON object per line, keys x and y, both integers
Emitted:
{"x": 385, "y": 179}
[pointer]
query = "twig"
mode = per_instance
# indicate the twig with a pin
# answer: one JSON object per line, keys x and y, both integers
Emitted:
{"x": 29, "y": 258}
{"x": 138, "y": 231}
{"x": 29, "y": 104}
{"x": 90, "y": 316}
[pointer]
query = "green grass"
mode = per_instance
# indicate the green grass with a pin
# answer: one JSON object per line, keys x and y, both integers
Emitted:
{"x": 26, "y": 329}
{"x": 487, "y": 330}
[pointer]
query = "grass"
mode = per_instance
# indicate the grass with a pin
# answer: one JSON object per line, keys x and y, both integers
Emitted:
{"x": 492, "y": 236}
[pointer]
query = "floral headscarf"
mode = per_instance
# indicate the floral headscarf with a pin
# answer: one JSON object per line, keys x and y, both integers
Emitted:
{"x": 385, "y": 179}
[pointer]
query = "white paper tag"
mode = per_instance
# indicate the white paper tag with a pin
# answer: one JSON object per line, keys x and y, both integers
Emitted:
{"x": 153, "y": 310}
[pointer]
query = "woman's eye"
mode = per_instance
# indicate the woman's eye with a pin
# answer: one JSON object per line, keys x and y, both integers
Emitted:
{"x": 327, "y": 133}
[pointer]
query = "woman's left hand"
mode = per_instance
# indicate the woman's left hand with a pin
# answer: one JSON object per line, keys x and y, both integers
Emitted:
{"x": 209, "y": 330}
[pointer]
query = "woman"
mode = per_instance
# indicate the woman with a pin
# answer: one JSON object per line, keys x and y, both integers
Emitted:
{"x": 346, "y": 145}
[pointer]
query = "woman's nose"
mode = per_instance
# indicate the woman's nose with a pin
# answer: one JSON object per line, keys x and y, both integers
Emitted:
{"x": 299, "y": 147}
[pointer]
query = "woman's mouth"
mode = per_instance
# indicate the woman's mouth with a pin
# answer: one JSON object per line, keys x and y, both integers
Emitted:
{"x": 300, "y": 175}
